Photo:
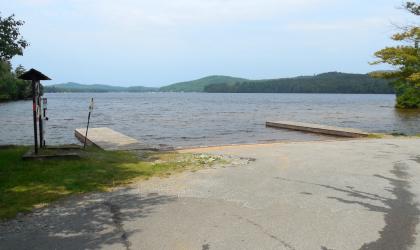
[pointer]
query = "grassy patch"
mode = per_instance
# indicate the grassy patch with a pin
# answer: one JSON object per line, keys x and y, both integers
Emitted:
{"x": 376, "y": 136}
{"x": 25, "y": 185}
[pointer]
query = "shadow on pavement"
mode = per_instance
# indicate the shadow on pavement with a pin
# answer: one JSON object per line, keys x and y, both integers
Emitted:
{"x": 85, "y": 224}
{"x": 401, "y": 214}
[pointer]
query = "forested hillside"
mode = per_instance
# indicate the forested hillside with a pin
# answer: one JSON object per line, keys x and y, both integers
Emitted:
{"x": 332, "y": 82}
{"x": 77, "y": 87}
{"x": 200, "y": 84}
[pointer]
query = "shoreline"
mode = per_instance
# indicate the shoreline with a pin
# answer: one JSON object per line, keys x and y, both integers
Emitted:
{"x": 273, "y": 142}
{"x": 381, "y": 137}
{"x": 181, "y": 149}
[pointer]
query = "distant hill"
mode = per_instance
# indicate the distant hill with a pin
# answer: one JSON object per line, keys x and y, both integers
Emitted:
{"x": 200, "y": 84}
{"x": 332, "y": 82}
{"x": 141, "y": 89}
{"x": 77, "y": 87}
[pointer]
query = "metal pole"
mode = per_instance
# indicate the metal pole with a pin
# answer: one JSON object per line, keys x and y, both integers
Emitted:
{"x": 41, "y": 130}
{"x": 34, "y": 115}
{"x": 87, "y": 126}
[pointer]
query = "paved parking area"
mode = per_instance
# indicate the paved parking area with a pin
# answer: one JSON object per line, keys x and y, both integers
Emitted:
{"x": 355, "y": 194}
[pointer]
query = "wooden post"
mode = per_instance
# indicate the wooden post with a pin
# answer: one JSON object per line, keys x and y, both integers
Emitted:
{"x": 35, "y": 76}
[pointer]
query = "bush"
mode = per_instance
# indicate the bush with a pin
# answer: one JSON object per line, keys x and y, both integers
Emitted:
{"x": 407, "y": 97}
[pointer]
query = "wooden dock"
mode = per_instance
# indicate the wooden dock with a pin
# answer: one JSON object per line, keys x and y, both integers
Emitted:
{"x": 109, "y": 140}
{"x": 317, "y": 128}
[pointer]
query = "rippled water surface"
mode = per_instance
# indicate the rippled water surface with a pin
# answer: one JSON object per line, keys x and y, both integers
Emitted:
{"x": 198, "y": 119}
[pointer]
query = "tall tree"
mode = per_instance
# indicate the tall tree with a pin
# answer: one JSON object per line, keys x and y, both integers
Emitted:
{"x": 11, "y": 42}
{"x": 406, "y": 60}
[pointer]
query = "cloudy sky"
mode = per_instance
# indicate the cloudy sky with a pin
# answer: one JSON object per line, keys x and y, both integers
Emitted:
{"x": 156, "y": 42}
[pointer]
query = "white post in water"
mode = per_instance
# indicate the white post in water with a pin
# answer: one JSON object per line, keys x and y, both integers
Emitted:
{"x": 87, "y": 127}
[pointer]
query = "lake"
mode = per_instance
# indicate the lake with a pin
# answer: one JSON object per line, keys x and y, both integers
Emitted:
{"x": 199, "y": 119}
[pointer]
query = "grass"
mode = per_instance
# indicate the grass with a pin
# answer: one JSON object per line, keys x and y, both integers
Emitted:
{"x": 376, "y": 136}
{"x": 25, "y": 185}
{"x": 395, "y": 134}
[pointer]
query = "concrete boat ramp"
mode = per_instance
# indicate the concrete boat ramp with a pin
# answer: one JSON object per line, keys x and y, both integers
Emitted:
{"x": 318, "y": 129}
{"x": 110, "y": 140}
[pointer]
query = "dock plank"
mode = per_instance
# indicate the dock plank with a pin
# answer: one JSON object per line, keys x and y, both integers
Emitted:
{"x": 318, "y": 128}
{"x": 110, "y": 140}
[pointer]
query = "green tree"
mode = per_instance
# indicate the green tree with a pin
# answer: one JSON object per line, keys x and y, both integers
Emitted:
{"x": 24, "y": 90}
{"x": 406, "y": 60}
{"x": 11, "y": 42}
{"x": 8, "y": 88}
{"x": 19, "y": 70}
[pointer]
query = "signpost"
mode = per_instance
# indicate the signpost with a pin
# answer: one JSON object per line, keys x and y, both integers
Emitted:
{"x": 35, "y": 76}
{"x": 87, "y": 126}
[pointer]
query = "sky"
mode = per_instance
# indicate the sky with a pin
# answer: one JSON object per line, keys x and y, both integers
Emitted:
{"x": 158, "y": 42}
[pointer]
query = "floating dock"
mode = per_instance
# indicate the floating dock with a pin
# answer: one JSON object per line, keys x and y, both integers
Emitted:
{"x": 318, "y": 129}
{"x": 109, "y": 140}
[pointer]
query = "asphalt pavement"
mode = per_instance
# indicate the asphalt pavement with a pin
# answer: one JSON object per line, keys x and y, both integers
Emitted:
{"x": 354, "y": 194}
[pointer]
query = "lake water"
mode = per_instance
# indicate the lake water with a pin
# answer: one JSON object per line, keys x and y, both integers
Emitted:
{"x": 198, "y": 119}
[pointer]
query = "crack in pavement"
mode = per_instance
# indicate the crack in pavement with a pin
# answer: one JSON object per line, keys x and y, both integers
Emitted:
{"x": 262, "y": 229}
{"x": 117, "y": 220}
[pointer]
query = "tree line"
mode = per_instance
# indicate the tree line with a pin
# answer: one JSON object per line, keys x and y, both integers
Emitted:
{"x": 333, "y": 82}
{"x": 12, "y": 88}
